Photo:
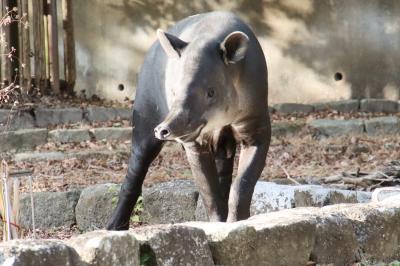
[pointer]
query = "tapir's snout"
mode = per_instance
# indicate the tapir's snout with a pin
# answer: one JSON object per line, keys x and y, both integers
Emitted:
{"x": 175, "y": 125}
{"x": 178, "y": 127}
{"x": 162, "y": 132}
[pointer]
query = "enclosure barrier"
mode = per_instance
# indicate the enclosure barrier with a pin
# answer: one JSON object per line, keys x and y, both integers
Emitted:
{"x": 30, "y": 48}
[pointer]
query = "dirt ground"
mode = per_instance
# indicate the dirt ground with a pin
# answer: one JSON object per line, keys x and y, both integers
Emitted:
{"x": 302, "y": 157}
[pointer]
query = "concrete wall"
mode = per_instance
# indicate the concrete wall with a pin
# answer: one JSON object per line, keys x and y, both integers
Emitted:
{"x": 307, "y": 44}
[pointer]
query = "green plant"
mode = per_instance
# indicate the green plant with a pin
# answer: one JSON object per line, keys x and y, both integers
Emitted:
{"x": 137, "y": 211}
{"x": 113, "y": 190}
{"x": 147, "y": 256}
{"x": 144, "y": 259}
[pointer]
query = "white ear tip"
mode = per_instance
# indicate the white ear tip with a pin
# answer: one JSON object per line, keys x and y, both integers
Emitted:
{"x": 238, "y": 32}
{"x": 160, "y": 32}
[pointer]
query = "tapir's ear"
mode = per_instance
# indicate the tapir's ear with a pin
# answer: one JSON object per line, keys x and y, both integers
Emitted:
{"x": 234, "y": 47}
{"x": 171, "y": 44}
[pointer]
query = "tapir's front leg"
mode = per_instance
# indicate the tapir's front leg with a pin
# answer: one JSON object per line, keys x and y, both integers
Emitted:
{"x": 251, "y": 163}
{"x": 204, "y": 170}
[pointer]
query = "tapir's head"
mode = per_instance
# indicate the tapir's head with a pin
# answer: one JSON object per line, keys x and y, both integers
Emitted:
{"x": 199, "y": 83}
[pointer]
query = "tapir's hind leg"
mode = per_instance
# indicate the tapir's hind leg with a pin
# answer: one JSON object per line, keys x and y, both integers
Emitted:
{"x": 224, "y": 160}
{"x": 145, "y": 147}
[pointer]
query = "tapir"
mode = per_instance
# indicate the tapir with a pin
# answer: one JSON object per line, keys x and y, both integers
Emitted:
{"x": 203, "y": 84}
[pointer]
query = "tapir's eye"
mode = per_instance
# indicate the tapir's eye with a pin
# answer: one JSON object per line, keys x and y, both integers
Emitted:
{"x": 210, "y": 93}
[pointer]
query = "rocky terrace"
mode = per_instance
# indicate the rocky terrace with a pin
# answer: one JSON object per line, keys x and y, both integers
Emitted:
{"x": 343, "y": 234}
{"x": 327, "y": 158}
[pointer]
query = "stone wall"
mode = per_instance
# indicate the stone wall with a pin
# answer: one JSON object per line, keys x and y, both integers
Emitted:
{"x": 169, "y": 202}
{"x": 340, "y": 234}
{"x": 24, "y": 130}
{"x": 316, "y": 50}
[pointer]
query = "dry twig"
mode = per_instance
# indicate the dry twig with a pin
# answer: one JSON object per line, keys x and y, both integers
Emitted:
{"x": 289, "y": 177}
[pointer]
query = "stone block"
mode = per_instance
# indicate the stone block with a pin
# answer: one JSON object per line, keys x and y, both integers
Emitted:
{"x": 69, "y": 135}
{"x": 107, "y": 248}
{"x": 383, "y": 193}
{"x": 112, "y": 133}
{"x": 99, "y": 114}
{"x": 52, "y": 209}
{"x": 96, "y": 205}
{"x": 379, "y": 106}
{"x": 335, "y": 241}
{"x": 37, "y": 252}
{"x": 48, "y": 116}
{"x": 170, "y": 202}
{"x": 173, "y": 245}
{"x": 343, "y": 106}
{"x": 39, "y": 156}
{"x": 124, "y": 113}
{"x": 15, "y": 120}
{"x": 281, "y": 238}
{"x": 334, "y": 128}
{"x": 290, "y": 108}
{"x": 376, "y": 226}
{"x": 24, "y": 139}
{"x": 383, "y": 125}
{"x": 270, "y": 197}
{"x": 285, "y": 128}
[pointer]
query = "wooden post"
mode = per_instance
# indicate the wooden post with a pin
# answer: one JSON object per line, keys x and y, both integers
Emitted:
{"x": 14, "y": 43}
{"x": 4, "y": 49}
{"x": 53, "y": 45}
{"x": 38, "y": 42}
{"x": 20, "y": 48}
{"x": 47, "y": 29}
{"x": 24, "y": 51}
{"x": 69, "y": 45}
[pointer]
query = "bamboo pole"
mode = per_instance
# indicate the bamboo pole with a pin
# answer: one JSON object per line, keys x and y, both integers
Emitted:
{"x": 5, "y": 48}
{"x": 53, "y": 44}
{"x": 45, "y": 50}
{"x": 6, "y": 200}
{"x": 47, "y": 27}
{"x": 13, "y": 222}
{"x": 20, "y": 49}
{"x": 69, "y": 45}
{"x": 24, "y": 51}
{"x": 15, "y": 206}
{"x": 14, "y": 43}
{"x": 2, "y": 50}
{"x": 3, "y": 206}
{"x": 1, "y": 58}
{"x": 38, "y": 42}
{"x": 32, "y": 206}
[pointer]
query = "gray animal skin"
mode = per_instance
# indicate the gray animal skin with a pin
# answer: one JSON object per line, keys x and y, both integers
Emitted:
{"x": 203, "y": 84}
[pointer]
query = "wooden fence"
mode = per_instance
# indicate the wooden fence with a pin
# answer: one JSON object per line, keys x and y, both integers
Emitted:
{"x": 34, "y": 33}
